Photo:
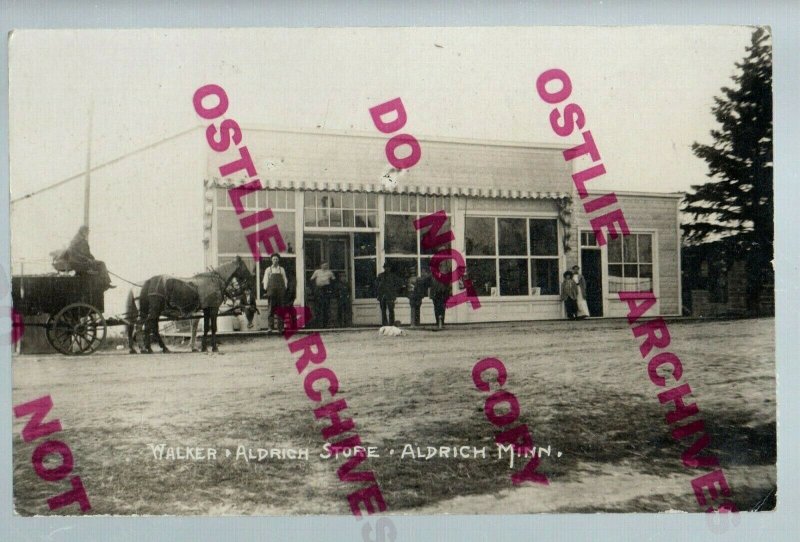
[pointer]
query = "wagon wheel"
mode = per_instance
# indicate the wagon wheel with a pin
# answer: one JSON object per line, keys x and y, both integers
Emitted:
{"x": 77, "y": 329}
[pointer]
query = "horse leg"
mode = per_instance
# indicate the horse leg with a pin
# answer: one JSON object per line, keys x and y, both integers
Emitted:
{"x": 147, "y": 347}
{"x": 206, "y": 325}
{"x": 132, "y": 316}
{"x": 129, "y": 328}
{"x": 155, "y": 314}
{"x": 195, "y": 323}
{"x": 213, "y": 316}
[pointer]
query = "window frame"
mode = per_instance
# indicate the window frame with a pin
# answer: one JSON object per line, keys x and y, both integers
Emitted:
{"x": 316, "y": 228}
{"x": 497, "y": 215}
{"x": 656, "y": 286}
{"x": 446, "y": 205}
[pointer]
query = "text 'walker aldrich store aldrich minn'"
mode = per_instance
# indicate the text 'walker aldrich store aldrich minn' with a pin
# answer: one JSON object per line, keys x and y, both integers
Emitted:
{"x": 509, "y": 204}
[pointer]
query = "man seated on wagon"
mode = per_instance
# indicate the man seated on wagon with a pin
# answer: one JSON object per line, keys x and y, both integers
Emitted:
{"x": 79, "y": 258}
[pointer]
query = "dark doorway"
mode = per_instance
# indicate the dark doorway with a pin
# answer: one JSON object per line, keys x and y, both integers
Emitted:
{"x": 335, "y": 251}
{"x": 592, "y": 270}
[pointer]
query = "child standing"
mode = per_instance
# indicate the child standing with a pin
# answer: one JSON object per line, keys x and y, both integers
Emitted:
{"x": 569, "y": 295}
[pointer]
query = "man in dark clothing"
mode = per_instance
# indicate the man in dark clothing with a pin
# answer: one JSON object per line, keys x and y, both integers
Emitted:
{"x": 343, "y": 297}
{"x": 440, "y": 293}
{"x": 417, "y": 290}
{"x": 388, "y": 287}
{"x": 569, "y": 295}
{"x": 80, "y": 258}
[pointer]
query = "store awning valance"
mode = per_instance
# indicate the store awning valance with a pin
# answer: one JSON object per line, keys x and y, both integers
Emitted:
{"x": 403, "y": 188}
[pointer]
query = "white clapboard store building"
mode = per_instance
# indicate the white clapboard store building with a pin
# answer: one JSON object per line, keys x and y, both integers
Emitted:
{"x": 512, "y": 208}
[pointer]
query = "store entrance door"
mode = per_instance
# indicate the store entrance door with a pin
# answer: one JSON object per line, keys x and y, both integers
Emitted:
{"x": 592, "y": 270}
{"x": 334, "y": 299}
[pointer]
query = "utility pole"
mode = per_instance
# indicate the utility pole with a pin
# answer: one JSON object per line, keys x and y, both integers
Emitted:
{"x": 88, "y": 182}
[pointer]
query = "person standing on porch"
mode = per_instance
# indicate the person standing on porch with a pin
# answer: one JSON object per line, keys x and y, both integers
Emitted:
{"x": 274, "y": 283}
{"x": 342, "y": 291}
{"x": 417, "y": 290}
{"x": 569, "y": 295}
{"x": 323, "y": 288}
{"x": 388, "y": 286}
{"x": 440, "y": 293}
{"x": 583, "y": 306}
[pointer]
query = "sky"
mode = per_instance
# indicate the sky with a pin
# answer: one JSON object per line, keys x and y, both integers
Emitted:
{"x": 646, "y": 93}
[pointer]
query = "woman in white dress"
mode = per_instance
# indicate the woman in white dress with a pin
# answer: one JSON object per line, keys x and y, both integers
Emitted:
{"x": 583, "y": 307}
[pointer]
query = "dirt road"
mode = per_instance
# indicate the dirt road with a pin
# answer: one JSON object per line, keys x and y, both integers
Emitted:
{"x": 582, "y": 386}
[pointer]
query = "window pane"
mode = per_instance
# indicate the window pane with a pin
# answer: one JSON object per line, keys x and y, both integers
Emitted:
{"x": 400, "y": 237}
{"x": 514, "y": 276}
{"x": 629, "y": 249}
{"x": 483, "y": 275}
{"x": 544, "y": 238}
{"x": 348, "y": 218}
{"x": 512, "y": 237}
{"x": 230, "y": 235}
{"x": 365, "y": 278}
{"x": 222, "y": 198}
{"x": 615, "y": 251}
{"x": 310, "y": 216}
{"x": 309, "y": 199}
{"x": 372, "y": 202}
{"x": 364, "y": 244}
{"x": 285, "y": 222}
{"x": 645, "y": 248}
{"x": 347, "y": 200}
{"x": 280, "y": 199}
{"x": 479, "y": 235}
{"x": 361, "y": 219}
{"x": 336, "y": 218}
{"x": 323, "y": 214}
{"x": 544, "y": 275}
{"x": 433, "y": 250}
{"x": 588, "y": 239}
{"x": 372, "y": 220}
{"x": 629, "y": 270}
{"x": 412, "y": 203}
{"x": 289, "y": 199}
{"x": 360, "y": 201}
{"x": 645, "y": 277}
{"x": 615, "y": 276}
{"x": 404, "y": 203}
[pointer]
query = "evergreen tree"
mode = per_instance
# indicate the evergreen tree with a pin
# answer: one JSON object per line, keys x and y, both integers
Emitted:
{"x": 737, "y": 204}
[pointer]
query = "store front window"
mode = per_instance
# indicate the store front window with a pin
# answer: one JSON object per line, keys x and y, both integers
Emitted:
{"x": 401, "y": 245}
{"x": 512, "y": 256}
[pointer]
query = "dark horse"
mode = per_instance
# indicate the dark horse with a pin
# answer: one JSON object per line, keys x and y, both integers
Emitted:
{"x": 163, "y": 294}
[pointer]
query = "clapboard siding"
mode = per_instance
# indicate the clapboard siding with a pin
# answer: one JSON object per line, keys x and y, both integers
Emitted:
{"x": 645, "y": 213}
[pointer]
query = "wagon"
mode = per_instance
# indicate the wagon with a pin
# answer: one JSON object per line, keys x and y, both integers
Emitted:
{"x": 74, "y": 305}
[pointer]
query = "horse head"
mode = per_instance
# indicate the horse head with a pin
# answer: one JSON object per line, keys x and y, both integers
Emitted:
{"x": 244, "y": 291}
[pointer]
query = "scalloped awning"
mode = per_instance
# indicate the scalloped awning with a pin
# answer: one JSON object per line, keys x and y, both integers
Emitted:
{"x": 402, "y": 188}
